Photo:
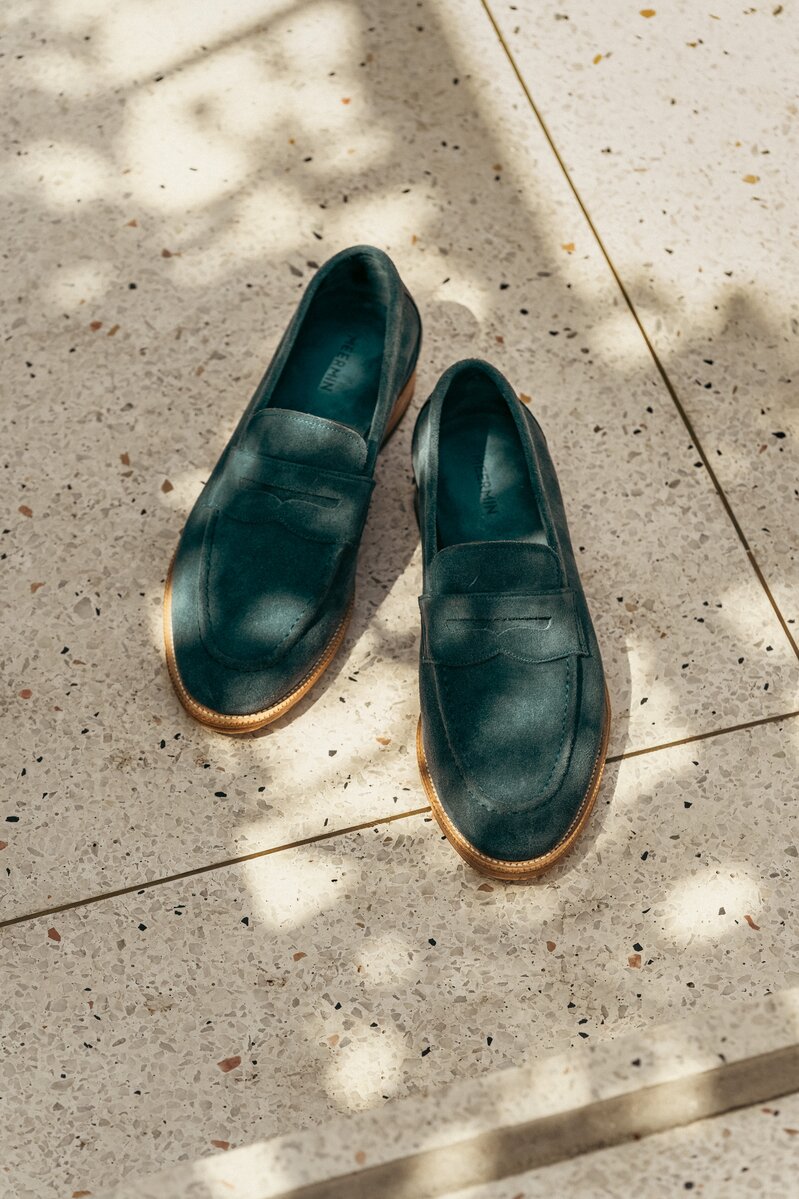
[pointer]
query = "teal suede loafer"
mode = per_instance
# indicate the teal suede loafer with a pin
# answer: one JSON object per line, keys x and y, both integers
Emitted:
{"x": 261, "y": 586}
{"x": 514, "y": 711}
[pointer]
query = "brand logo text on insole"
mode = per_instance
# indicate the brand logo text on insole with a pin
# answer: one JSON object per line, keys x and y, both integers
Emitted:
{"x": 331, "y": 379}
{"x": 488, "y": 500}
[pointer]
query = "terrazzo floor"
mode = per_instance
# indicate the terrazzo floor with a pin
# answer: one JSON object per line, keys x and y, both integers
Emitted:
{"x": 751, "y": 1152}
{"x": 173, "y": 175}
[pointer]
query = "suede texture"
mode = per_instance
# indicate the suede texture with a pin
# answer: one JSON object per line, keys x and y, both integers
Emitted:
{"x": 265, "y": 567}
{"x": 512, "y": 688}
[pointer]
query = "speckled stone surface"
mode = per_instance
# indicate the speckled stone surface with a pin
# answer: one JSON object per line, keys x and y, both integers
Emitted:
{"x": 269, "y": 996}
{"x": 175, "y": 175}
{"x": 752, "y": 1152}
{"x": 678, "y": 124}
{"x": 592, "y": 1071}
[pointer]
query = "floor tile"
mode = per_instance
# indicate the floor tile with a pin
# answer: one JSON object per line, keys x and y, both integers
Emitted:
{"x": 678, "y": 127}
{"x": 401, "y": 1135}
{"x": 176, "y": 182}
{"x": 271, "y": 995}
{"x": 741, "y": 1154}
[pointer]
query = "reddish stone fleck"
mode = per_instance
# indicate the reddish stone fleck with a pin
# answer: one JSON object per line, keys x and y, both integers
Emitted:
{"x": 228, "y": 1063}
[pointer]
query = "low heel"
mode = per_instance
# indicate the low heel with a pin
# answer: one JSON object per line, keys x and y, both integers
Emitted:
{"x": 400, "y": 407}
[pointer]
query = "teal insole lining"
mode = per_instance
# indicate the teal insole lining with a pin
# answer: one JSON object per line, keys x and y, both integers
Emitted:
{"x": 333, "y": 370}
{"x": 484, "y": 490}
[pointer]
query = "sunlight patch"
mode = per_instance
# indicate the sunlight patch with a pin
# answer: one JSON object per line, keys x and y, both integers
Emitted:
{"x": 362, "y": 1071}
{"x": 294, "y": 890}
{"x": 706, "y": 906}
{"x": 63, "y": 173}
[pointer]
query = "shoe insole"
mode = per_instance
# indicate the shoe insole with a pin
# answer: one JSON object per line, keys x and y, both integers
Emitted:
{"x": 333, "y": 370}
{"x": 484, "y": 490}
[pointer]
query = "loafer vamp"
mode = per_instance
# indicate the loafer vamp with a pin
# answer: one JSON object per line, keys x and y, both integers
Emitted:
{"x": 510, "y": 727}
{"x": 250, "y": 614}
{"x": 514, "y": 760}
{"x": 261, "y": 588}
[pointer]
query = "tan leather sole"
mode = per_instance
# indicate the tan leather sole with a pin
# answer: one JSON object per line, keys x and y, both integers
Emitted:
{"x": 519, "y": 872}
{"x": 237, "y": 726}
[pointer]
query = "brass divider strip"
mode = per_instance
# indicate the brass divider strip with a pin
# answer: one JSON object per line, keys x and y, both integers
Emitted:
{"x": 730, "y": 728}
{"x": 134, "y": 888}
{"x": 352, "y": 828}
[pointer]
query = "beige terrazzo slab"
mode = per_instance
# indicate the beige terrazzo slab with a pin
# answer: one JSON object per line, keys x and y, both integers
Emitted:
{"x": 269, "y": 996}
{"x": 752, "y": 1152}
{"x": 473, "y": 1114}
{"x": 678, "y": 124}
{"x": 173, "y": 179}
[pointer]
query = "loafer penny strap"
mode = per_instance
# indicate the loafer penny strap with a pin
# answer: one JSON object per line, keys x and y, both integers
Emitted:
{"x": 462, "y": 629}
{"x": 316, "y": 503}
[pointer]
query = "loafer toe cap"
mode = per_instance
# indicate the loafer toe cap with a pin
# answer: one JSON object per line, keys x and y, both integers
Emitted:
{"x": 512, "y": 817}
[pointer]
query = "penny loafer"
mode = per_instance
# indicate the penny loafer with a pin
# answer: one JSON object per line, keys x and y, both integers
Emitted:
{"x": 514, "y": 719}
{"x": 260, "y": 589}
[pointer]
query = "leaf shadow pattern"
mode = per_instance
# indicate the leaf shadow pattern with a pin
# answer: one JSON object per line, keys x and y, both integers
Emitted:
{"x": 374, "y": 965}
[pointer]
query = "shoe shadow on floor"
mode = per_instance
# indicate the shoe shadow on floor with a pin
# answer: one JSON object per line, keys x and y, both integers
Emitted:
{"x": 413, "y": 953}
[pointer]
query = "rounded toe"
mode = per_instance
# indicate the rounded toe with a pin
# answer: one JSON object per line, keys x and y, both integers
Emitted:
{"x": 234, "y": 699}
{"x": 512, "y": 823}
{"x": 533, "y": 831}
{"x": 209, "y": 688}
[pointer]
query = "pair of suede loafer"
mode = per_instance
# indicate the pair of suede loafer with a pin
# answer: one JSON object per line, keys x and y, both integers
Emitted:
{"x": 514, "y": 711}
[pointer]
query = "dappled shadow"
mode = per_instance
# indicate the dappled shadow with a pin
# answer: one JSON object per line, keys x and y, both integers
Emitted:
{"x": 175, "y": 185}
